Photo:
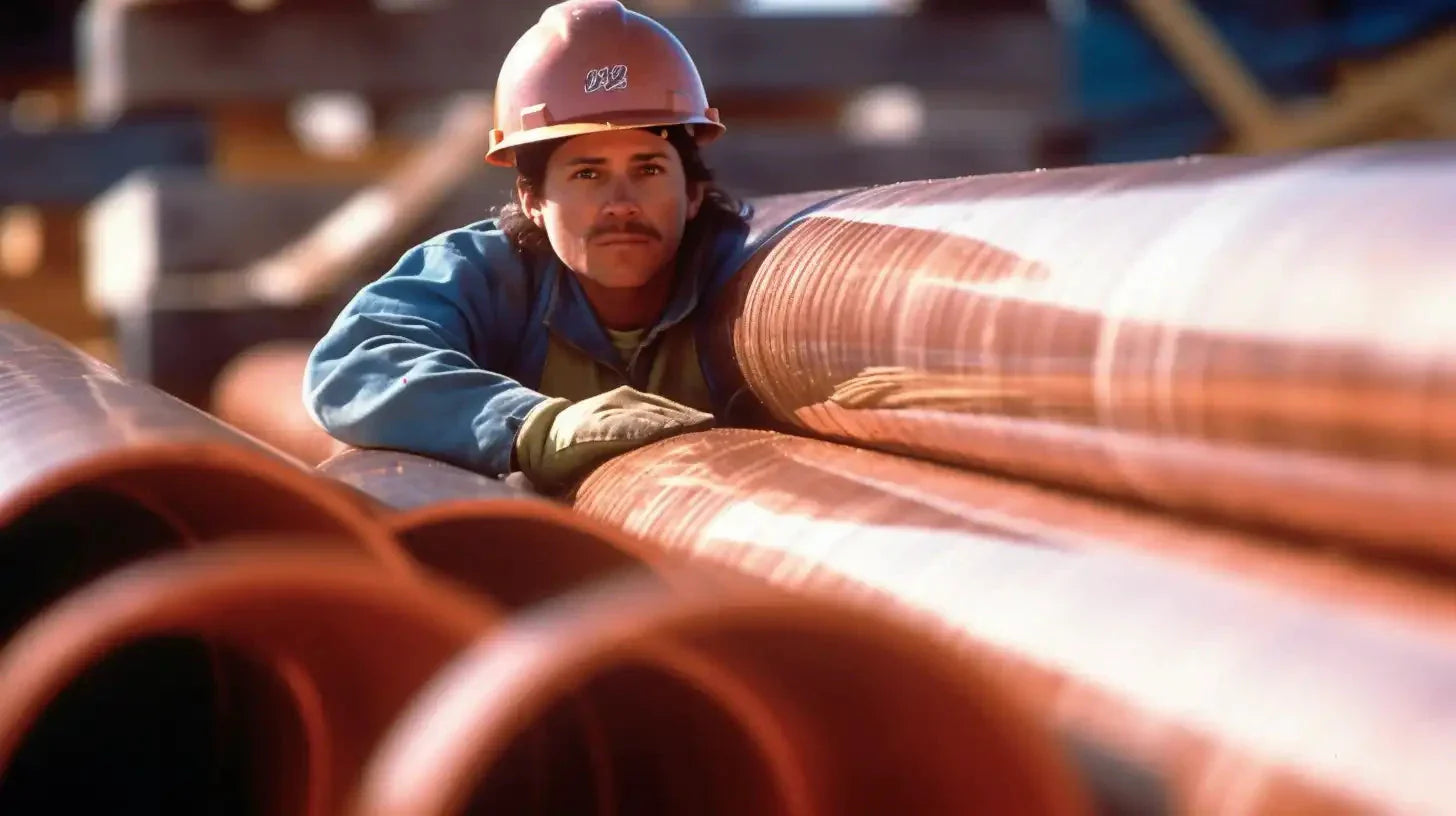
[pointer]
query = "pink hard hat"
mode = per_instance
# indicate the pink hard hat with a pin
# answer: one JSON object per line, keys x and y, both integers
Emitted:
{"x": 590, "y": 66}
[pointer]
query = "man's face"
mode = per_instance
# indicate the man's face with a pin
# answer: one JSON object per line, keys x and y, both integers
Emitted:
{"x": 614, "y": 205}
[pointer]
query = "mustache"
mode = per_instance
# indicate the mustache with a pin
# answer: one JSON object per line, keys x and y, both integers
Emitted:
{"x": 628, "y": 227}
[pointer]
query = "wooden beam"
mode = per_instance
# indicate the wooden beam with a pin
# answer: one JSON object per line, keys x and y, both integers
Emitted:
{"x": 70, "y": 166}
{"x": 187, "y": 54}
{"x": 159, "y": 225}
{"x": 52, "y": 301}
{"x": 256, "y": 143}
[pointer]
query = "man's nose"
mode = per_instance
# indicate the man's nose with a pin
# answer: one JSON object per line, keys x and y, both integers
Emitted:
{"x": 621, "y": 203}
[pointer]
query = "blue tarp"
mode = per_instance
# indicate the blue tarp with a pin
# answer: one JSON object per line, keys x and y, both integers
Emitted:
{"x": 1138, "y": 104}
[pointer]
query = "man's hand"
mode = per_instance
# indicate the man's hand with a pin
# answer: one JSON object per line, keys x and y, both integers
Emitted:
{"x": 561, "y": 441}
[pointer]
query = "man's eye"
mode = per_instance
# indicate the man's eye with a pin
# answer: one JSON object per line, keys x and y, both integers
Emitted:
{"x": 585, "y": 173}
{"x": 651, "y": 170}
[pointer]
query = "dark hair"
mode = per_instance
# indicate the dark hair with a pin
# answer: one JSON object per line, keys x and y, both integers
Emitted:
{"x": 718, "y": 211}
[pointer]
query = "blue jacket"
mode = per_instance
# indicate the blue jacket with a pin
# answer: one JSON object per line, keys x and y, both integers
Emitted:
{"x": 442, "y": 354}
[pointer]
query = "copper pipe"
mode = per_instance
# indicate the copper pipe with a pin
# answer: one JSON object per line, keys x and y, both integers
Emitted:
{"x": 1243, "y": 675}
{"x": 729, "y": 701}
{"x": 1257, "y": 339}
{"x": 514, "y": 546}
{"x": 260, "y": 392}
{"x": 309, "y": 654}
{"x": 405, "y": 482}
{"x": 96, "y": 470}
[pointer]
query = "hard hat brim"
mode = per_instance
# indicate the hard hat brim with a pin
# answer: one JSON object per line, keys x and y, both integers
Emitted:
{"x": 502, "y": 153}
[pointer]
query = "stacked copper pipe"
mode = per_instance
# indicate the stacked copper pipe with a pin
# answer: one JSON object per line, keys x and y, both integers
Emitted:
{"x": 1238, "y": 674}
{"x": 1260, "y": 340}
{"x": 207, "y": 626}
{"x": 743, "y": 620}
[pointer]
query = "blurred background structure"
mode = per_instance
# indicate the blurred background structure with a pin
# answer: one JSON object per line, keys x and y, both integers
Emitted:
{"x": 150, "y": 151}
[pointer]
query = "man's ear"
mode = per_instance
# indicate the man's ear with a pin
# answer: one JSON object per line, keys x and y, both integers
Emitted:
{"x": 696, "y": 189}
{"x": 530, "y": 204}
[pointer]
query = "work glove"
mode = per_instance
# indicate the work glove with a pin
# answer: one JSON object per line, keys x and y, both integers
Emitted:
{"x": 560, "y": 441}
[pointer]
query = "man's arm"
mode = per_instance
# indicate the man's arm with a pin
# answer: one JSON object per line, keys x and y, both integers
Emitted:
{"x": 396, "y": 369}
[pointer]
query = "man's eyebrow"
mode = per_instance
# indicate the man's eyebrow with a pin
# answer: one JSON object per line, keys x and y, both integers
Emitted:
{"x": 598, "y": 161}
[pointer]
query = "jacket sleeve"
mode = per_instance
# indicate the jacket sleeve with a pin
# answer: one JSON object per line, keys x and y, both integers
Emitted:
{"x": 396, "y": 368}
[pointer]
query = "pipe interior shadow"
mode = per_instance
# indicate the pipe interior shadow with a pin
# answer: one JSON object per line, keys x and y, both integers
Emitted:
{"x": 159, "y": 726}
{"x": 135, "y": 734}
{"x": 162, "y": 726}
{"x": 68, "y": 540}
{"x": 82, "y": 532}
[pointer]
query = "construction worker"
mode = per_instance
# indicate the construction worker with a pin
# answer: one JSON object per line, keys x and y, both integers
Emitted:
{"x": 568, "y": 330}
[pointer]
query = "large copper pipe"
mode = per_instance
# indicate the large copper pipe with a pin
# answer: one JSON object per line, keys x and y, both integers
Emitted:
{"x": 726, "y": 700}
{"x": 309, "y": 653}
{"x": 516, "y": 547}
{"x": 1260, "y": 339}
{"x": 96, "y": 470}
{"x": 1245, "y": 676}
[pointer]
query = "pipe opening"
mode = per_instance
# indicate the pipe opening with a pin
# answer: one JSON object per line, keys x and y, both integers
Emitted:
{"x": 784, "y": 724}
{"x": 69, "y": 539}
{"x": 91, "y": 528}
{"x": 633, "y": 739}
{"x": 747, "y": 702}
{"x": 164, "y": 725}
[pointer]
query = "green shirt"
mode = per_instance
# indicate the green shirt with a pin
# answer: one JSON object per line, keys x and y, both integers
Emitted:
{"x": 675, "y": 372}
